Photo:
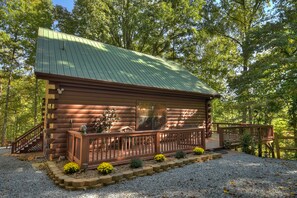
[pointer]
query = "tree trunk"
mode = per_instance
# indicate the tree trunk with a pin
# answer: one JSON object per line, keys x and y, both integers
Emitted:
{"x": 245, "y": 91}
{"x": 294, "y": 121}
{"x": 244, "y": 115}
{"x": 1, "y": 87}
{"x": 250, "y": 115}
{"x": 35, "y": 101}
{"x": 295, "y": 140}
{"x": 4, "y": 129}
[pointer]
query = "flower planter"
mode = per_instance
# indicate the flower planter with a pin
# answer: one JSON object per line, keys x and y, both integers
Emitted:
{"x": 148, "y": 170}
{"x": 92, "y": 181}
{"x": 70, "y": 183}
{"x": 138, "y": 172}
{"x": 128, "y": 174}
{"x": 78, "y": 183}
{"x": 179, "y": 163}
{"x": 193, "y": 159}
{"x": 171, "y": 164}
{"x": 118, "y": 177}
{"x": 185, "y": 161}
{"x": 157, "y": 168}
{"x": 164, "y": 166}
{"x": 106, "y": 180}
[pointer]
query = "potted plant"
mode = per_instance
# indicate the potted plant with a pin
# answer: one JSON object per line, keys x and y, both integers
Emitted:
{"x": 83, "y": 129}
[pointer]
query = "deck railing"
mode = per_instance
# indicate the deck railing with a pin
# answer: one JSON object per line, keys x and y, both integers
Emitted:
{"x": 233, "y": 134}
{"x": 88, "y": 150}
{"x": 286, "y": 142}
{"x": 261, "y": 134}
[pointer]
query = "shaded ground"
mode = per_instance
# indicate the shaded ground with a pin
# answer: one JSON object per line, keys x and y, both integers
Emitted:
{"x": 236, "y": 175}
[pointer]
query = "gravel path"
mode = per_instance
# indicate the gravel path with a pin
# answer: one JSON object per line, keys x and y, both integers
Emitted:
{"x": 235, "y": 175}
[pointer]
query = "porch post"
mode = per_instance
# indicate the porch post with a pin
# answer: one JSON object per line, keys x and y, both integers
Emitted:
{"x": 157, "y": 142}
{"x": 203, "y": 138}
{"x": 84, "y": 151}
{"x": 74, "y": 147}
{"x": 42, "y": 137}
{"x": 259, "y": 142}
{"x": 277, "y": 147}
{"x": 220, "y": 132}
{"x": 272, "y": 143}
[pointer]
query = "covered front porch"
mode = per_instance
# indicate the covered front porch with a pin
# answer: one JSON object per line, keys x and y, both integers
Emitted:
{"x": 89, "y": 150}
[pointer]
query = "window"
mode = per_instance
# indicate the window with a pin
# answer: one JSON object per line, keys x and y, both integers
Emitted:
{"x": 150, "y": 116}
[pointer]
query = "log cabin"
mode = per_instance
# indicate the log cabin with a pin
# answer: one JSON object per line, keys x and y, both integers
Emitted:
{"x": 154, "y": 97}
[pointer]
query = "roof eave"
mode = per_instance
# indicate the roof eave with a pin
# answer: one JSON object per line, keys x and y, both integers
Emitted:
{"x": 77, "y": 80}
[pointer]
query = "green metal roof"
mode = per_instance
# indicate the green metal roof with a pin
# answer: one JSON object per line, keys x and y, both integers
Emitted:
{"x": 68, "y": 55}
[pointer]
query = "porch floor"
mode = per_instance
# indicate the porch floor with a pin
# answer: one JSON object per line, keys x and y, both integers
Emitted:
{"x": 212, "y": 142}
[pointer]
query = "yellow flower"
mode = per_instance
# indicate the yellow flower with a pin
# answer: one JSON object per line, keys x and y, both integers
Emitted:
{"x": 105, "y": 168}
{"x": 198, "y": 151}
{"x": 71, "y": 167}
{"x": 160, "y": 157}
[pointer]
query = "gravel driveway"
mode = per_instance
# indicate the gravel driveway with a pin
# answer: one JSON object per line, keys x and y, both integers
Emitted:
{"x": 235, "y": 175}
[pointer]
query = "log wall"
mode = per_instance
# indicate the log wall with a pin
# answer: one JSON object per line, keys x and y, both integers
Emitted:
{"x": 79, "y": 105}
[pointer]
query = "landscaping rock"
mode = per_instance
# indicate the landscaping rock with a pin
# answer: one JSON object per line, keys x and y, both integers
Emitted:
{"x": 106, "y": 180}
{"x": 118, "y": 177}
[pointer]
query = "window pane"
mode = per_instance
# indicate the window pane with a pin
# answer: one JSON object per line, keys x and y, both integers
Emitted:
{"x": 159, "y": 122}
{"x": 151, "y": 116}
{"x": 159, "y": 110}
{"x": 145, "y": 123}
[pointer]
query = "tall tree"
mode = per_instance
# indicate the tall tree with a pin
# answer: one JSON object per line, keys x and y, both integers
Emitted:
{"x": 276, "y": 42}
{"x": 234, "y": 20}
{"x": 19, "y": 23}
{"x": 153, "y": 27}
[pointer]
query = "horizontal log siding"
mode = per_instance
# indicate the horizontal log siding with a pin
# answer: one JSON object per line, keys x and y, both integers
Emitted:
{"x": 77, "y": 106}
{"x": 185, "y": 118}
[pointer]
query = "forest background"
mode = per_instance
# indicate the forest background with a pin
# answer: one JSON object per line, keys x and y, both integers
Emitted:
{"x": 244, "y": 49}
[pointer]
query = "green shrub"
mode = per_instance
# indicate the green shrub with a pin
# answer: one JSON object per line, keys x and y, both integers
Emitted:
{"x": 160, "y": 158}
{"x": 136, "y": 163}
{"x": 105, "y": 168}
{"x": 227, "y": 144}
{"x": 198, "y": 151}
{"x": 247, "y": 143}
{"x": 180, "y": 154}
{"x": 71, "y": 167}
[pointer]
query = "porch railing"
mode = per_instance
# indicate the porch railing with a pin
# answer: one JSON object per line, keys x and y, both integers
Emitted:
{"x": 216, "y": 125}
{"x": 261, "y": 134}
{"x": 233, "y": 134}
{"x": 88, "y": 150}
{"x": 287, "y": 143}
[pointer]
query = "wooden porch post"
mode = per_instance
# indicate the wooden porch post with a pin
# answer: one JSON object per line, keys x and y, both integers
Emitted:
{"x": 12, "y": 147}
{"x": 73, "y": 146}
{"x": 203, "y": 139}
{"x": 259, "y": 142}
{"x": 272, "y": 143}
{"x": 220, "y": 132}
{"x": 157, "y": 142}
{"x": 42, "y": 138}
{"x": 277, "y": 147}
{"x": 84, "y": 152}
